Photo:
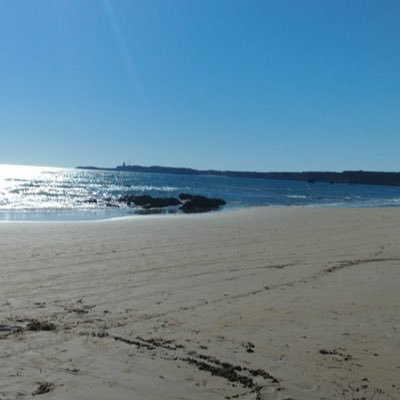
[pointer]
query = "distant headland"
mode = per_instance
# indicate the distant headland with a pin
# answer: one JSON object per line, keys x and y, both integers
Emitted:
{"x": 349, "y": 177}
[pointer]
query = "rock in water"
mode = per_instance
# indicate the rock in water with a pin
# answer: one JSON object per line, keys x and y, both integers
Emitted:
{"x": 192, "y": 203}
{"x": 161, "y": 202}
{"x": 198, "y": 204}
{"x": 148, "y": 202}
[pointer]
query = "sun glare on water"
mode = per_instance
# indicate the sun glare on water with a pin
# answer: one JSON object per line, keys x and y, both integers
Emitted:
{"x": 25, "y": 172}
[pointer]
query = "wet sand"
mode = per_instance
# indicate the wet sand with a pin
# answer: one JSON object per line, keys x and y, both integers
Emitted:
{"x": 268, "y": 303}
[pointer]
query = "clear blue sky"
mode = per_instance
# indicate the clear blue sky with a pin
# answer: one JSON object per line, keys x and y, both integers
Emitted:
{"x": 247, "y": 85}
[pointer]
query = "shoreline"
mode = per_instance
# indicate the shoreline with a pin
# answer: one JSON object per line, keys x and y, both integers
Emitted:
{"x": 264, "y": 302}
{"x": 134, "y": 216}
{"x": 156, "y": 215}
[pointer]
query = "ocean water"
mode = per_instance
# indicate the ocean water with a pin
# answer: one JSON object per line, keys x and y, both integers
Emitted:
{"x": 38, "y": 193}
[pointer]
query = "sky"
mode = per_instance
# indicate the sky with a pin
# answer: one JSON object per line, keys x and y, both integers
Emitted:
{"x": 258, "y": 85}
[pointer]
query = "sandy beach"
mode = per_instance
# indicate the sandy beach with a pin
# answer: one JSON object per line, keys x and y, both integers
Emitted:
{"x": 267, "y": 303}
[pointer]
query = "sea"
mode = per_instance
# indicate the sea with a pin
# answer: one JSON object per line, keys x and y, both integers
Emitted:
{"x": 42, "y": 193}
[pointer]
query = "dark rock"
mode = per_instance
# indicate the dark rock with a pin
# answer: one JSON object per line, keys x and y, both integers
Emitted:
{"x": 192, "y": 203}
{"x": 186, "y": 196}
{"x": 128, "y": 199}
{"x": 198, "y": 204}
{"x": 141, "y": 200}
{"x": 148, "y": 202}
{"x": 161, "y": 202}
{"x": 91, "y": 201}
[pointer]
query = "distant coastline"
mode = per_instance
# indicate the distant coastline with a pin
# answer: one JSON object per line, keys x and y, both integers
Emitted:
{"x": 347, "y": 177}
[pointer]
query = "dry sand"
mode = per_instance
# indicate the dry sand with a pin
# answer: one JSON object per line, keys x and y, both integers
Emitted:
{"x": 255, "y": 304}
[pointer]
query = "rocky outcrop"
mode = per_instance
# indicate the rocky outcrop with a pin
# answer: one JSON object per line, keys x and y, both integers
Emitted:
{"x": 149, "y": 202}
{"x": 90, "y": 201}
{"x": 187, "y": 203}
{"x": 199, "y": 204}
{"x": 162, "y": 202}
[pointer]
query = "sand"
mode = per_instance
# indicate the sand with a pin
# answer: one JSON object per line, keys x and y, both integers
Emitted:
{"x": 268, "y": 303}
